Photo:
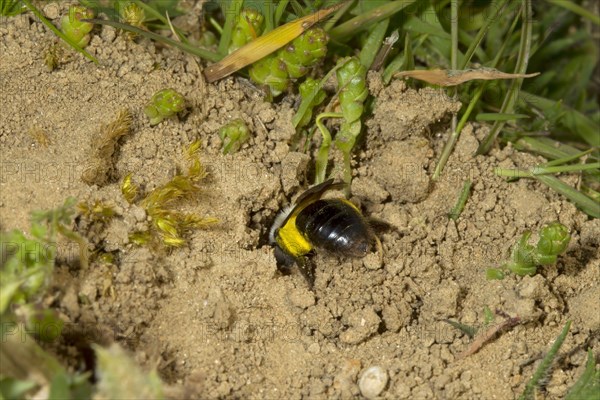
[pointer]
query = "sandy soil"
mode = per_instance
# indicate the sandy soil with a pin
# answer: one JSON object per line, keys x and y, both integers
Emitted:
{"x": 214, "y": 316}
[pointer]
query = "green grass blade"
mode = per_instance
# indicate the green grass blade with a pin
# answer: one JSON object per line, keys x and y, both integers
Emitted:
{"x": 269, "y": 14}
{"x": 545, "y": 147}
{"x": 577, "y": 9}
{"x": 572, "y": 120}
{"x": 468, "y": 330}
{"x": 583, "y": 202}
{"x": 10, "y": 8}
{"x": 544, "y": 170}
{"x": 476, "y": 42}
{"x": 567, "y": 159}
{"x": 57, "y": 32}
{"x": 461, "y": 202}
{"x": 231, "y": 9}
{"x": 400, "y": 62}
{"x": 521, "y": 68}
{"x": 345, "y": 31}
{"x": 279, "y": 11}
{"x": 449, "y": 146}
{"x": 499, "y": 117}
{"x": 373, "y": 43}
{"x": 544, "y": 366}
{"x": 338, "y": 14}
{"x": 197, "y": 51}
{"x": 588, "y": 384}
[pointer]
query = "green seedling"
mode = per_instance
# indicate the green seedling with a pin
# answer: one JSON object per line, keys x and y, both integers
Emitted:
{"x": 271, "y": 72}
{"x": 234, "y": 135}
{"x": 249, "y": 25}
{"x": 164, "y": 104}
{"x": 22, "y": 355}
{"x": 27, "y": 267}
{"x": 290, "y": 62}
{"x": 304, "y": 52}
{"x": 74, "y": 28}
{"x": 351, "y": 77}
{"x": 461, "y": 202}
{"x": 168, "y": 225}
{"x": 57, "y": 31}
{"x": 469, "y": 330}
{"x": 133, "y": 15}
{"x": 526, "y": 258}
{"x": 310, "y": 87}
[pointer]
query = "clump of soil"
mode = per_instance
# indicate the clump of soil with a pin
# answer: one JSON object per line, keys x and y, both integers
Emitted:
{"x": 215, "y": 315}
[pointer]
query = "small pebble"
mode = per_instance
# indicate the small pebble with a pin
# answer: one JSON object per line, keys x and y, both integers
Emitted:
{"x": 51, "y": 11}
{"x": 372, "y": 261}
{"x": 372, "y": 382}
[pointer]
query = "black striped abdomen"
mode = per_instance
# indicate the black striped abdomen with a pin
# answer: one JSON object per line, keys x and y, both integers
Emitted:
{"x": 336, "y": 226}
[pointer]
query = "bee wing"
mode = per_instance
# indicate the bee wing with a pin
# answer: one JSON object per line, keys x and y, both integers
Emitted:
{"x": 312, "y": 194}
{"x": 315, "y": 192}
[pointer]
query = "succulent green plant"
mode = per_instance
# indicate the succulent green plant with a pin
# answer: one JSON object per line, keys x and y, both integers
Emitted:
{"x": 351, "y": 77}
{"x": 304, "y": 52}
{"x": 164, "y": 104}
{"x": 248, "y": 26}
{"x": 272, "y": 72}
{"x": 134, "y": 15}
{"x": 553, "y": 241}
{"x": 290, "y": 62}
{"x": 233, "y": 135}
{"x": 74, "y": 28}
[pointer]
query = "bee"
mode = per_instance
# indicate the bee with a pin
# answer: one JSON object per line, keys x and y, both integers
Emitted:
{"x": 334, "y": 225}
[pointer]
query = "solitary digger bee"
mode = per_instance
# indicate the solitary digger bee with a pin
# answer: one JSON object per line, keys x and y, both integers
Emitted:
{"x": 334, "y": 225}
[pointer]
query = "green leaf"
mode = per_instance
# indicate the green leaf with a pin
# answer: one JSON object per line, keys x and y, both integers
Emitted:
{"x": 544, "y": 367}
{"x": 11, "y": 388}
{"x": 499, "y": 116}
{"x": 468, "y": 330}
{"x": 9, "y": 8}
{"x": 583, "y": 202}
{"x": 587, "y": 386}
{"x": 494, "y": 274}
{"x": 59, "y": 387}
{"x": 8, "y": 291}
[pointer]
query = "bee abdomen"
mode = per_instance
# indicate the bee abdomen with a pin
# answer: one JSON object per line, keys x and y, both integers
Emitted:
{"x": 335, "y": 226}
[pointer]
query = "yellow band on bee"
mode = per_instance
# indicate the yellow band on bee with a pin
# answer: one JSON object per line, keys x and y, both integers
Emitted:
{"x": 291, "y": 240}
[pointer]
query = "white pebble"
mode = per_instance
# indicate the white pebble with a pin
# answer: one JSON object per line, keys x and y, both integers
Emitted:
{"x": 372, "y": 382}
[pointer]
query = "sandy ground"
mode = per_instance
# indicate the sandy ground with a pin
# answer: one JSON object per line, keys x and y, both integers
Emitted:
{"x": 214, "y": 316}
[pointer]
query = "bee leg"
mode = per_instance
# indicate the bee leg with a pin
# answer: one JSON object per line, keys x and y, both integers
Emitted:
{"x": 285, "y": 262}
{"x": 307, "y": 268}
{"x": 379, "y": 249}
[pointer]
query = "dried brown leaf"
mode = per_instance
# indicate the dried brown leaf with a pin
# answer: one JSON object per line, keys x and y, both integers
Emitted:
{"x": 443, "y": 77}
{"x": 265, "y": 45}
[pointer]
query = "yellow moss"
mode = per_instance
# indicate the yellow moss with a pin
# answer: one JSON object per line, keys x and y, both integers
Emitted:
{"x": 129, "y": 189}
{"x": 96, "y": 211}
{"x": 168, "y": 224}
{"x": 103, "y": 147}
{"x": 40, "y": 136}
